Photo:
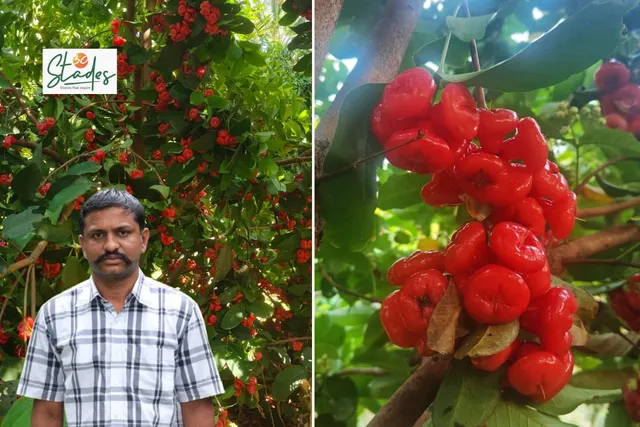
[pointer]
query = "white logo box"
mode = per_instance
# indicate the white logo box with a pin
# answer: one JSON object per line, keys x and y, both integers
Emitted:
{"x": 79, "y": 71}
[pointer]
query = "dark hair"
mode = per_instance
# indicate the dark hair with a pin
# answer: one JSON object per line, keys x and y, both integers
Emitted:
{"x": 112, "y": 198}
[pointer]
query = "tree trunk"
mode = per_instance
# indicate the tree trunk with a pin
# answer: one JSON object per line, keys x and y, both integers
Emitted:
{"x": 326, "y": 15}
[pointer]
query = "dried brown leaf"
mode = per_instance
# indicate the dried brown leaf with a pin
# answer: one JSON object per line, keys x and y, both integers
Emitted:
{"x": 441, "y": 333}
{"x": 477, "y": 210}
{"x": 488, "y": 340}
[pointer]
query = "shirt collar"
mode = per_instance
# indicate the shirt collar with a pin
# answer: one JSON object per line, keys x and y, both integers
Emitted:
{"x": 88, "y": 291}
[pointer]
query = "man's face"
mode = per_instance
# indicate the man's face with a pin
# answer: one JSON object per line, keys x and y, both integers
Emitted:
{"x": 112, "y": 242}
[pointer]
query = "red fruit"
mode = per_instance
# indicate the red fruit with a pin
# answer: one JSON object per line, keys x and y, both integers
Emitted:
{"x": 539, "y": 281}
{"x": 537, "y": 375}
{"x": 553, "y": 310}
{"x": 497, "y": 122}
{"x": 549, "y": 183}
{"x": 405, "y": 267}
{"x": 616, "y": 121}
{"x": 90, "y": 115}
{"x": 409, "y": 94}
{"x": 136, "y": 174}
{"x": 459, "y": 111}
{"x": 124, "y": 158}
{"x": 527, "y": 212}
{"x": 611, "y": 75}
{"x": 428, "y": 154}
{"x": 528, "y": 145}
{"x": 626, "y": 98}
{"x": 393, "y": 325}
{"x": 214, "y": 122}
{"x": 467, "y": 250}
{"x": 517, "y": 247}
{"x": 495, "y": 294}
{"x": 493, "y": 362}
{"x": 441, "y": 191}
{"x": 118, "y": 41}
{"x": 418, "y": 297}
{"x": 556, "y": 342}
{"x": 157, "y": 155}
{"x": 632, "y": 291}
{"x": 561, "y": 215}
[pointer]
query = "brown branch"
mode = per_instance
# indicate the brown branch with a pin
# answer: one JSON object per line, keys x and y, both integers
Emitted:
{"x": 6, "y": 300}
{"x": 603, "y": 261}
{"x": 16, "y": 92}
{"x": 587, "y": 246}
{"x": 293, "y": 161}
{"x": 409, "y": 402}
{"x": 344, "y": 289}
{"x": 601, "y": 168}
{"x": 325, "y": 15}
{"x": 288, "y": 340}
{"x": 475, "y": 57}
{"x": 607, "y": 209}
{"x": 355, "y": 164}
{"x": 378, "y": 372}
{"x": 27, "y": 144}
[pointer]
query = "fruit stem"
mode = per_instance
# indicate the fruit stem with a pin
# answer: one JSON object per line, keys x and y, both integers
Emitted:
{"x": 447, "y": 41}
{"x": 473, "y": 47}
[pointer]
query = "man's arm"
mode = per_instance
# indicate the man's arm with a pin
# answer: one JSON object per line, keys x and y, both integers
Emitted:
{"x": 49, "y": 414}
{"x": 197, "y": 413}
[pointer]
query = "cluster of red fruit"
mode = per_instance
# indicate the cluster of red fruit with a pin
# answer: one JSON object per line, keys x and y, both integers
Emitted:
{"x": 124, "y": 69}
{"x": 2, "y": 109}
{"x": 223, "y": 421}
{"x": 304, "y": 254}
{"x": 6, "y": 178}
{"x": 250, "y": 386}
{"x": 51, "y": 270}
{"x": 8, "y": 141}
{"x": 625, "y": 301}
{"x": 24, "y": 328}
{"x": 212, "y": 16}
{"x": 45, "y": 126}
{"x": 498, "y": 266}
{"x": 619, "y": 98}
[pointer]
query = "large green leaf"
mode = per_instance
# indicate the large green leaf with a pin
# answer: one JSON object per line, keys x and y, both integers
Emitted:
{"x": 233, "y": 317}
{"x": 339, "y": 396}
{"x": 466, "y": 397}
{"x": 613, "y": 142}
{"x": 20, "y": 413}
{"x": 470, "y": 28}
{"x": 617, "y": 416}
{"x": 84, "y": 168}
{"x": 401, "y": 191}
{"x": 25, "y": 183}
{"x": 287, "y": 381}
{"x": 348, "y": 199}
{"x": 286, "y": 244}
{"x": 571, "y": 397}
{"x": 224, "y": 262}
{"x": 170, "y": 57}
{"x": 78, "y": 188}
{"x": 573, "y": 45}
{"x": 20, "y": 227}
{"x": 11, "y": 368}
{"x": 514, "y": 415}
{"x": 73, "y": 273}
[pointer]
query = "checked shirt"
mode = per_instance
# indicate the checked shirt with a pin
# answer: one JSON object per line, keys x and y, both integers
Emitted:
{"x": 127, "y": 369}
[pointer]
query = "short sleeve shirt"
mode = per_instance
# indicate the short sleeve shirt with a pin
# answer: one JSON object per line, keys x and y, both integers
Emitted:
{"x": 127, "y": 369}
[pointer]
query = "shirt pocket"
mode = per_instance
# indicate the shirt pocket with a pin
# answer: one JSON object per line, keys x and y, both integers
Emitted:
{"x": 155, "y": 362}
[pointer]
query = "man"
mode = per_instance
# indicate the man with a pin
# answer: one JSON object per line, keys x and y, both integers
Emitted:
{"x": 119, "y": 349}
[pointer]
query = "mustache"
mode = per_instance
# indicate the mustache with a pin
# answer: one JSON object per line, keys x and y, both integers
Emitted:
{"x": 104, "y": 256}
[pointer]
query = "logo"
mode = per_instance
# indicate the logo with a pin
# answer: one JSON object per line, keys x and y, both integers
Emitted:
{"x": 79, "y": 71}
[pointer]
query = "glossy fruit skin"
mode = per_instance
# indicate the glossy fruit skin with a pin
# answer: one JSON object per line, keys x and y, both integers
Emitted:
{"x": 418, "y": 297}
{"x": 549, "y": 183}
{"x": 516, "y": 247}
{"x": 468, "y": 250}
{"x": 540, "y": 374}
{"x": 561, "y": 215}
{"x": 553, "y": 310}
{"x": 611, "y": 75}
{"x": 527, "y": 212}
{"x": 493, "y": 362}
{"x": 495, "y": 124}
{"x": 393, "y": 324}
{"x": 441, "y": 191}
{"x": 424, "y": 155}
{"x": 459, "y": 111}
{"x": 528, "y": 145}
{"x": 539, "y": 281}
{"x": 405, "y": 267}
{"x": 495, "y": 295}
{"x": 409, "y": 94}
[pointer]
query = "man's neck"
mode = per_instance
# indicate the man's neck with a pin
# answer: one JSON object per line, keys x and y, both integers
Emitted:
{"x": 116, "y": 291}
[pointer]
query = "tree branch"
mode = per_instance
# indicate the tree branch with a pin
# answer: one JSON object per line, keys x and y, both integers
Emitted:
{"x": 603, "y": 261}
{"x": 325, "y": 15}
{"x": 288, "y": 340}
{"x": 586, "y": 246}
{"x": 607, "y": 209}
{"x": 601, "y": 168}
{"x": 27, "y": 144}
{"x": 16, "y": 92}
{"x": 294, "y": 160}
{"x": 378, "y": 372}
{"x": 346, "y": 290}
{"x": 409, "y": 402}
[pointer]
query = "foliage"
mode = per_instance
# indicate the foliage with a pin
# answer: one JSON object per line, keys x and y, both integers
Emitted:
{"x": 555, "y": 86}
{"x": 212, "y": 133}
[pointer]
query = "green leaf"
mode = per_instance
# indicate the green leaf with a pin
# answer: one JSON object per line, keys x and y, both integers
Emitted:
{"x": 11, "y": 368}
{"x": 26, "y": 182}
{"x": 73, "y": 273}
{"x": 162, "y": 189}
{"x": 78, "y": 188}
{"x": 137, "y": 55}
{"x": 170, "y": 57}
{"x": 571, "y": 397}
{"x": 401, "y": 191}
{"x": 20, "y": 227}
{"x": 54, "y": 234}
{"x": 233, "y": 317}
{"x": 261, "y": 309}
{"x": 254, "y": 58}
{"x": 20, "y": 413}
{"x": 287, "y": 381}
{"x": 614, "y": 190}
{"x": 217, "y": 102}
{"x": 288, "y": 19}
{"x": 83, "y": 168}
{"x": 568, "y": 48}
{"x": 287, "y": 245}
{"x": 242, "y": 25}
{"x": 205, "y": 142}
{"x": 3, "y": 266}
{"x": 467, "y": 396}
{"x": 341, "y": 395}
{"x": 457, "y": 55}
{"x": 514, "y": 415}
{"x": 471, "y": 28}
{"x": 613, "y": 142}
{"x": 602, "y": 379}
{"x": 224, "y": 262}
{"x": 196, "y": 98}
{"x": 348, "y": 199}
{"x": 374, "y": 335}
{"x": 617, "y": 416}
